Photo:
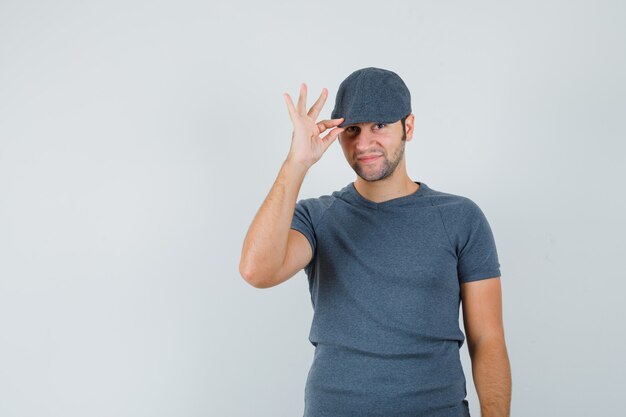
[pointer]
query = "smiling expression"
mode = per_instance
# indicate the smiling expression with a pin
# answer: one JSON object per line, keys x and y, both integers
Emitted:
{"x": 374, "y": 150}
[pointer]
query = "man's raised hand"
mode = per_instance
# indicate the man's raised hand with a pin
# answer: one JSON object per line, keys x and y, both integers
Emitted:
{"x": 307, "y": 147}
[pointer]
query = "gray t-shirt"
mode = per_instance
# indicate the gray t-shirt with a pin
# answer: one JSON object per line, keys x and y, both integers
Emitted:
{"x": 385, "y": 287}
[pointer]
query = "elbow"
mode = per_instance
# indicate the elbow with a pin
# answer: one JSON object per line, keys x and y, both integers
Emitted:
{"x": 487, "y": 343}
{"x": 247, "y": 273}
{"x": 252, "y": 277}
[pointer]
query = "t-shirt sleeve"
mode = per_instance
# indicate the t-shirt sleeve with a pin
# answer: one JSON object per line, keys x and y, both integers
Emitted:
{"x": 476, "y": 252}
{"x": 307, "y": 217}
{"x": 304, "y": 218}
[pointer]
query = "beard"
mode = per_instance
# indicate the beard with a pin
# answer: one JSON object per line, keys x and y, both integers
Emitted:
{"x": 382, "y": 168}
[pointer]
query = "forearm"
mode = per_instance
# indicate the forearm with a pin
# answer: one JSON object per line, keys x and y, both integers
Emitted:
{"x": 265, "y": 244}
{"x": 492, "y": 377}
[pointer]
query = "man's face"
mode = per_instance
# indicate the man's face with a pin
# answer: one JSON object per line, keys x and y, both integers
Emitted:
{"x": 385, "y": 142}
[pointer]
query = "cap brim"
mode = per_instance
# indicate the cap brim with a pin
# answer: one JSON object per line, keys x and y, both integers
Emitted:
{"x": 356, "y": 120}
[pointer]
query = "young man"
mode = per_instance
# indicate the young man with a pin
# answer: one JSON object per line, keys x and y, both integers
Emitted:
{"x": 388, "y": 261}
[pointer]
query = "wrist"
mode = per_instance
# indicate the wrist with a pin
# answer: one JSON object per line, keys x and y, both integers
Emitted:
{"x": 293, "y": 164}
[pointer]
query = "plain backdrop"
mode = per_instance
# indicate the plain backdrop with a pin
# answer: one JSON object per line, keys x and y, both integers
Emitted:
{"x": 139, "y": 138}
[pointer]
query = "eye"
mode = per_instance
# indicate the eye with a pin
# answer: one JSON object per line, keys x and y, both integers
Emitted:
{"x": 351, "y": 129}
{"x": 381, "y": 124}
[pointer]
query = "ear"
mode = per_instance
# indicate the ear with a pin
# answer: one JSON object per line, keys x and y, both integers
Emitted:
{"x": 410, "y": 119}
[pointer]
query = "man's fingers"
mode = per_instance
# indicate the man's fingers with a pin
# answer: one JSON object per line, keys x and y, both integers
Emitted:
{"x": 302, "y": 99}
{"x": 327, "y": 124}
{"x": 317, "y": 106}
{"x": 335, "y": 132}
{"x": 299, "y": 110}
{"x": 290, "y": 106}
{"x": 331, "y": 136}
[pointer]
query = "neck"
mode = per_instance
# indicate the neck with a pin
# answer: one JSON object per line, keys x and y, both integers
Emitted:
{"x": 387, "y": 189}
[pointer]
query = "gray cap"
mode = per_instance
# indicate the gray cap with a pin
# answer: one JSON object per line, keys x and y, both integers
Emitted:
{"x": 372, "y": 95}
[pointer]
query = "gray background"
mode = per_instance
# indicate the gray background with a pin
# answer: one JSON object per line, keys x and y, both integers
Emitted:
{"x": 138, "y": 140}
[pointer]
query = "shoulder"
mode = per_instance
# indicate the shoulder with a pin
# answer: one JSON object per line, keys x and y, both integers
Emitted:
{"x": 313, "y": 209}
{"x": 322, "y": 202}
{"x": 461, "y": 216}
{"x": 453, "y": 205}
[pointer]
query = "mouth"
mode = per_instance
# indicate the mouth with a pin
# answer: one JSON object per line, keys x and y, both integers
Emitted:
{"x": 369, "y": 158}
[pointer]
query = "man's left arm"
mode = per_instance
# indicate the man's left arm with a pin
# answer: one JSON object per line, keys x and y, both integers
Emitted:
{"x": 484, "y": 331}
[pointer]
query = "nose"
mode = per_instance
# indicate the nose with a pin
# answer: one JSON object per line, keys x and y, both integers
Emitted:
{"x": 363, "y": 141}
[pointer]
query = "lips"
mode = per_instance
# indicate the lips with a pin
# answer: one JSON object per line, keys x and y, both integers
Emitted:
{"x": 369, "y": 158}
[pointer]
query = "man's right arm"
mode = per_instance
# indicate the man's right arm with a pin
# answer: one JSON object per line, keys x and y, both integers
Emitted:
{"x": 272, "y": 251}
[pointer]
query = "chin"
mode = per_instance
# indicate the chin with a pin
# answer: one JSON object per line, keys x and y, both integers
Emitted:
{"x": 371, "y": 177}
